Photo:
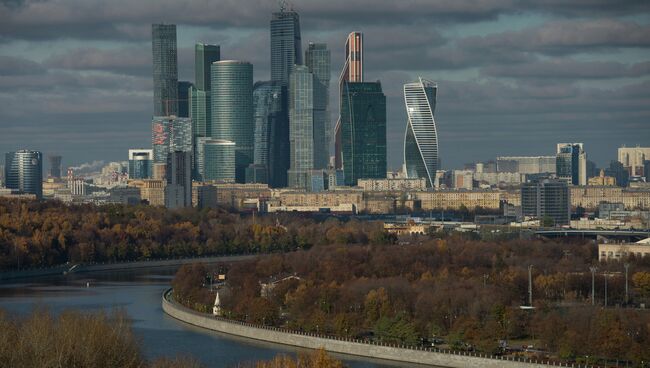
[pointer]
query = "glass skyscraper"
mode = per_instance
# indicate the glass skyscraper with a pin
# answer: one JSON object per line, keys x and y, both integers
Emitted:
{"x": 232, "y": 110}
{"x": 55, "y": 166}
{"x": 204, "y": 56}
{"x": 140, "y": 163}
{"x": 271, "y": 130}
{"x": 301, "y": 126}
{"x": 165, "y": 69}
{"x": 216, "y": 159}
{"x": 421, "y": 138}
{"x": 571, "y": 163}
{"x": 286, "y": 50}
{"x": 169, "y": 134}
{"x": 547, "y": 198}
{"x": 352, "y": 72}
{"x": 363, "y": 131}
{"x": 24, "y": 172}
{"x": 183, "y": 98}
{"x": 317, "y": 59}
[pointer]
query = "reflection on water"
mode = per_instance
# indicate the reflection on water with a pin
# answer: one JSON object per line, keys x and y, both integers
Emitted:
{"x": 139, "y": 293}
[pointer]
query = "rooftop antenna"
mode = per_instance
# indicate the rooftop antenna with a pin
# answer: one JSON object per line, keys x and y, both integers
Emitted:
{"x": 283, "y": 5}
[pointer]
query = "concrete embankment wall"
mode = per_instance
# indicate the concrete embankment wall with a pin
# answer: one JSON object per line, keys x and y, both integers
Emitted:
{"x": 100, "y": 267}
{"x": 343, "y": 346}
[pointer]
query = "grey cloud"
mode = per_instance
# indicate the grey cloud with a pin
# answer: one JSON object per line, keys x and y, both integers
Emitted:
{"x": 570, "y": 69}
{"x": 128, "y": 60}
{"x": 14, "y": 66}
{"x": 563, "y": 37}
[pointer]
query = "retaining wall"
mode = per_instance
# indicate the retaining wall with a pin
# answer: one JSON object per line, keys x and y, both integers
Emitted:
{"x": 339, "y": 345}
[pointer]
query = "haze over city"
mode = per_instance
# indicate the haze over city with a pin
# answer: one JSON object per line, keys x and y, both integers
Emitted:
{"x": 514, "y": 77}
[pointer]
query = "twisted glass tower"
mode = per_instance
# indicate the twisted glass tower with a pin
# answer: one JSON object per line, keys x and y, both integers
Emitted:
{"x": 421, "y": 158}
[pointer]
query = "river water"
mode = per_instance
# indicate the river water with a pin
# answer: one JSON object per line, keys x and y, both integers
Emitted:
{"x": 139, "y": 292}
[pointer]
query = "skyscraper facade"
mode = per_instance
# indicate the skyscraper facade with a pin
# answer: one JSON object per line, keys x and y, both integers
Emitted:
{"x": 363, "y": 131}
{"x": 286, "y": 49}
{"x": 352, "y": 72}
{"x": 24, "y": 172}
{"x": 232, "y": 110}
{"x": 200, "y": 103}
{"x": 140, "y": 163}
{"x": 301, "y": 126}
{"x": 547, "y": 199}
{"x": 55, "y": 166}
{"x": 178, "y": 191}
{"x": 421, "y": 158}
{"x": 165, "y": 69}
{"x": 216, "y": 159}
{"x": 204, "y": 56}
{"x": 571, "y": 163}
{"x": 184, "y": 99}
{"x": 270, "y": 118}
{"x": 318, "y": 60}
{"x": 169, "y": 134}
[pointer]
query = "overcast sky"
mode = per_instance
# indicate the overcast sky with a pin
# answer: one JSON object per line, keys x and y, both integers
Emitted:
{"x": 514, "y": 77}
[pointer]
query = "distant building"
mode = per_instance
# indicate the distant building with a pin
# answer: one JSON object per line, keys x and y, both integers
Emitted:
{"x": 55, "y": 166}
{"x": 184, "y": 88}
{"x": 527, "y": 164}
{"x": 124, "y": 195}
{"x": 178, "y": 191}
{"x": 24, "y": 172}
{"x": 571, "y": 163}
{"x": 216, "y": 159}
{"x": 463, "y": 179}
{"x": 169, "y": 134}
{"x": 421, "y": 158}
{"x": 547, "y": 198}
{"x": 271, "y": 131}
{"x": 204, "y": 195}
{"x": 632, "y": 159}
{"x": 618, "y": 171}
{"x": 317, "y": 60}
{"x": 301, "y": 127}
{"x": 622, "y": 251}
{"x": 602, "y": 179}
{"x": 363, "y": 131}
{"x": 286, "y": 50}
{"x": 256, "y": 174}
{"x": 606, "y": 208}
{"x": 151, "y": 190}
{"x": 393, "y": 184}
{"x": 165, "y": 69}
{"x": 335, "y": 178}
{"x": 352, "y": 72}
{"x": 140, "y": 163}
{"x": 232, "y": 110}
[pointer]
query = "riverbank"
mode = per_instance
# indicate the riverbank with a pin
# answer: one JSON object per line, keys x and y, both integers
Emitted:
{"x": 417, "y": 355}
{"x": 117, "y": 266}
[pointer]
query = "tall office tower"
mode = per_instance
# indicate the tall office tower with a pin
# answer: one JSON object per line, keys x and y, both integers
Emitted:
{"x": 55, "y": 166}
{"x": 24, "y": 172}
{"x": 301, "y": 127}
{"x": 204, "y": 56}
{"x": 286, "y": 50}
{"x": 352, "y": 72}
{"x": 232, "y": 110}
{"x": 140, "y": 163}
{"x": 199, "y": 95}
{"x": 632, "y": 159}
{"x": 184, "y": 98}
{"x": 271, "y": 152}
{"x": 215, "y": 159}
{"x": 547, "y": 198}
{"x": 317, "y": 59}
{"x": 363, "y": 131}
{"x": 421, "y": 158}
{"x": 178, "y": 191}
{"x": 571, "y": 163}
{"x": 165, "y": 69}
{"x": 169, "y": 134}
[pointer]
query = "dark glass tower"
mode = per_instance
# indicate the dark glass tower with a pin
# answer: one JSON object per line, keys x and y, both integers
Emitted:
{"x": 178, "y": 191}
{"x": 363, "y": 131}
{"x": 271, "y": 131}
{"x": 184, "y": 99}
{"x": 165, "y": 69}
{"x": 286, "y": 50}
{"x": 232, "y": 110}
{"x": 24, "y": 172}
{"x": 55, "y": 166}
{"x": 547, "y": 198}
{"x": 317, "y": 59}
{"x": 204, "y": 56}
{"x": 301, "y": 127}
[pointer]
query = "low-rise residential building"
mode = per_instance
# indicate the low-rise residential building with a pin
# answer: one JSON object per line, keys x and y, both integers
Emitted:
{"x": 409, "y": 228}
{"x": 620, "y": 251}
{"x": 151, "y": 190}
{"x": 397, "y": 184}
{"x": 455, "y": 199}
{"x": 589, "y": 197}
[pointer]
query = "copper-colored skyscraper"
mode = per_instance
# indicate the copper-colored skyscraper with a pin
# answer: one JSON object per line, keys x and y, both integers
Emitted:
{"x": 352, "y": 72}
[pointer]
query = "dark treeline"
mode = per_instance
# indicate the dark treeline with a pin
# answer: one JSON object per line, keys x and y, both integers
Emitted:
{"x": 466, "y": 292}
{"x": 37, "y": 234}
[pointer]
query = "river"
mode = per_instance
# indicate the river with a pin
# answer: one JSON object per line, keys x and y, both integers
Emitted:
{"x": 139, "y": 293}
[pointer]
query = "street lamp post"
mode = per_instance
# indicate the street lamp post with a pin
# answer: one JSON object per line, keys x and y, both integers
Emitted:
{"x": 593, "y": 270}
{"x": 627, "y": 266}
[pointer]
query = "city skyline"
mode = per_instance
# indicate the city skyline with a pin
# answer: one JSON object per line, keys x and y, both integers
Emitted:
{"x": 97, "y": 103}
